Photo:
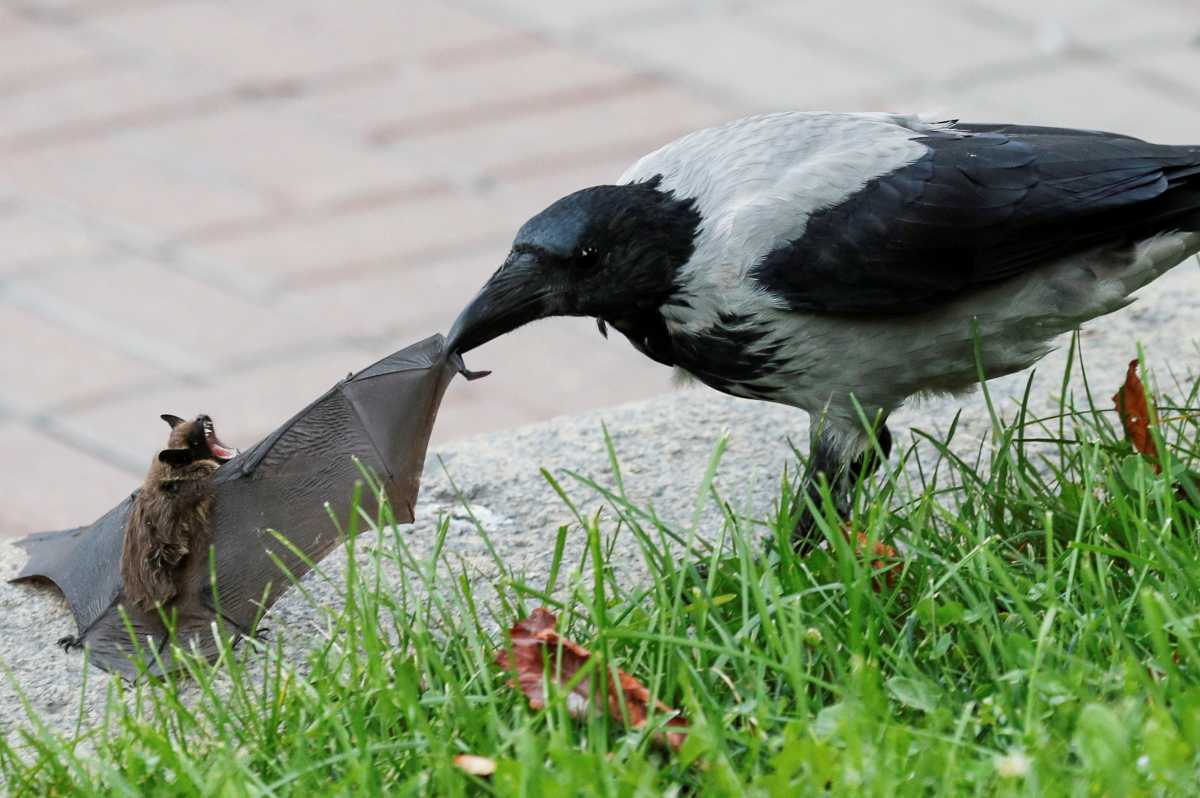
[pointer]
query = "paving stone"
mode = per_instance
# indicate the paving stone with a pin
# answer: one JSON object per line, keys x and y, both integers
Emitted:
{"x": 219, "y": 38}
{"x": 10, "y": 22}
{"x": 1176, "y": 70}
{"x": 556, "y": 367}
{"x": 407, "y": 31}
{"x": 348, "y": 270}
{"x": 43, "y": 366}
{"x": 396, "y": 302}
{"x": 208, "y": 326}
{"x": 920, "y": 40}
{"x": 109, "y": 181}
{"x": 245, "y": 405}
{"x": 56, "y": 486}
{"x": 86, "y": 320}
{"x": 29, "y": 237}
{"x": 62, "y": 10}
{"x": 533, "y": 189}
{"x": 109, "y": 98}
{"x": 1065, "y": 94}
{"x": 411, "y": 297}
{"x": 292, "y": 40}
{"x": 723, "y": 53}
{"x": 439, "y": 225}
{"x": 1107, "y": 25}
{"x": 584, "y": 16}
{"x": 643, "y": 112}
{"x": 32, "y": 55}
{"x": 432, "y": 97}
{"x": 550, "y": 368}
{"x": 274, "y": 155}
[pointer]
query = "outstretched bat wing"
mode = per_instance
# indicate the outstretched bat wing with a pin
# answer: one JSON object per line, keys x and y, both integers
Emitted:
{"x": 84, "y": 563}
{"x": 382, "y": 417}
{"x": 79, "y": 562}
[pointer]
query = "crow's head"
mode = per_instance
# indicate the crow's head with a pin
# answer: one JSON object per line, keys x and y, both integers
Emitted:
{"x": 605, "y": 251}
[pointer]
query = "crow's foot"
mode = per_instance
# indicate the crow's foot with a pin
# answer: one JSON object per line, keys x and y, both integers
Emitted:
{"x": 806, "y": 535}
{"x": 842, "y": 481}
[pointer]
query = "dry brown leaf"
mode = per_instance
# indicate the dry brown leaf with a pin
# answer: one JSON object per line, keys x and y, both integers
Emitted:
{"x": 475, "y": 765}
{"x": 1134, "y": 409}
{"x": 889, "y": 572}
{"x": 539, "y": 652}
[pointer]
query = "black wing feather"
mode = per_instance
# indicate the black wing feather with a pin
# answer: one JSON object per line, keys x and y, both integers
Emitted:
{"x": 985, "y": 203}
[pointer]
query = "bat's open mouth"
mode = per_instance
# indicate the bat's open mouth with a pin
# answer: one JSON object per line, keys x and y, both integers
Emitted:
{"x": 218, "y": 449}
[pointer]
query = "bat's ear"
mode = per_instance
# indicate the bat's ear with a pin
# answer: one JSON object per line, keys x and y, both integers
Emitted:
{"x": 176, "y": 457}
{"x": 174, "y": 421}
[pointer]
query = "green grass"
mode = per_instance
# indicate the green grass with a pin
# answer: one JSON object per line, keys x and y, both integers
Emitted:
{"x": 1042, "y": 638}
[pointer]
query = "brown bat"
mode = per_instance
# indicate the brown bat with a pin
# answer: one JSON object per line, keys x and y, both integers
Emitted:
{"x": 379, "y": 418}
{"x": 172, "y": 513}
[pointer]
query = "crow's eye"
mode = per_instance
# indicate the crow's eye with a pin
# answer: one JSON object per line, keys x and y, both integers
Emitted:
{"x": 586, "y": 257}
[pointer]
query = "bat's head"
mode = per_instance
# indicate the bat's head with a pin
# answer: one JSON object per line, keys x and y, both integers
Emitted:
{"x": 193, "y": 440}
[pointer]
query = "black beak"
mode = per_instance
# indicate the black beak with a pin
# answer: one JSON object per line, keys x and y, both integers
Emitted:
{"x": 515, "y": 295}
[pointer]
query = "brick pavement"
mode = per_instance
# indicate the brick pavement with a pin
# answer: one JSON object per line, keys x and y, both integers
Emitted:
{"x": 225, "y": 206}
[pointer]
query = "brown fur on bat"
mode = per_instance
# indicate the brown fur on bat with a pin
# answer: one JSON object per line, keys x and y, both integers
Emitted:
{"x": 172, "y": 513}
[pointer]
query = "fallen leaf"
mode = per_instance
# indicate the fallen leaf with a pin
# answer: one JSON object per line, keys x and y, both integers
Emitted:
{"x": 1134, "y": 409}
{"x": 913, "y": 693}
{"x": 880, "y": 549}
{"x": 475, "y": 765}
{"x": 539, "y": 653}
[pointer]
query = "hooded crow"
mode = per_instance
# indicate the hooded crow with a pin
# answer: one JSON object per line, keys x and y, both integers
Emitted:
{"x": 837, "y": 261}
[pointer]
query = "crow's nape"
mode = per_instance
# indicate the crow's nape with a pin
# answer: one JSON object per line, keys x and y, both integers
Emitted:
{"x": 828, "y": 463}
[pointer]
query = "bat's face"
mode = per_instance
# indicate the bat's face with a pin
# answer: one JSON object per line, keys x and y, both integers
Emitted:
{"x": 194, "y": 440}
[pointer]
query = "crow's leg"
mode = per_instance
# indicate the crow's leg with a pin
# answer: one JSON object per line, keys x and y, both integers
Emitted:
{"x": 824, "y": 464}
{"x": 868, "y": 462}
{"x": 827, "y": 460}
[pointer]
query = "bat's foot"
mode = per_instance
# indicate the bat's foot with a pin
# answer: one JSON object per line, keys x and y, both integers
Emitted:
{"x": 262, "y": 634}
{"x": 69, "y": 642}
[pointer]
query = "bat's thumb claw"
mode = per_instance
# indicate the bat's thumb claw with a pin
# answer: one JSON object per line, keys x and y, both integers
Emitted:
{"x": 457, "y": 360}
